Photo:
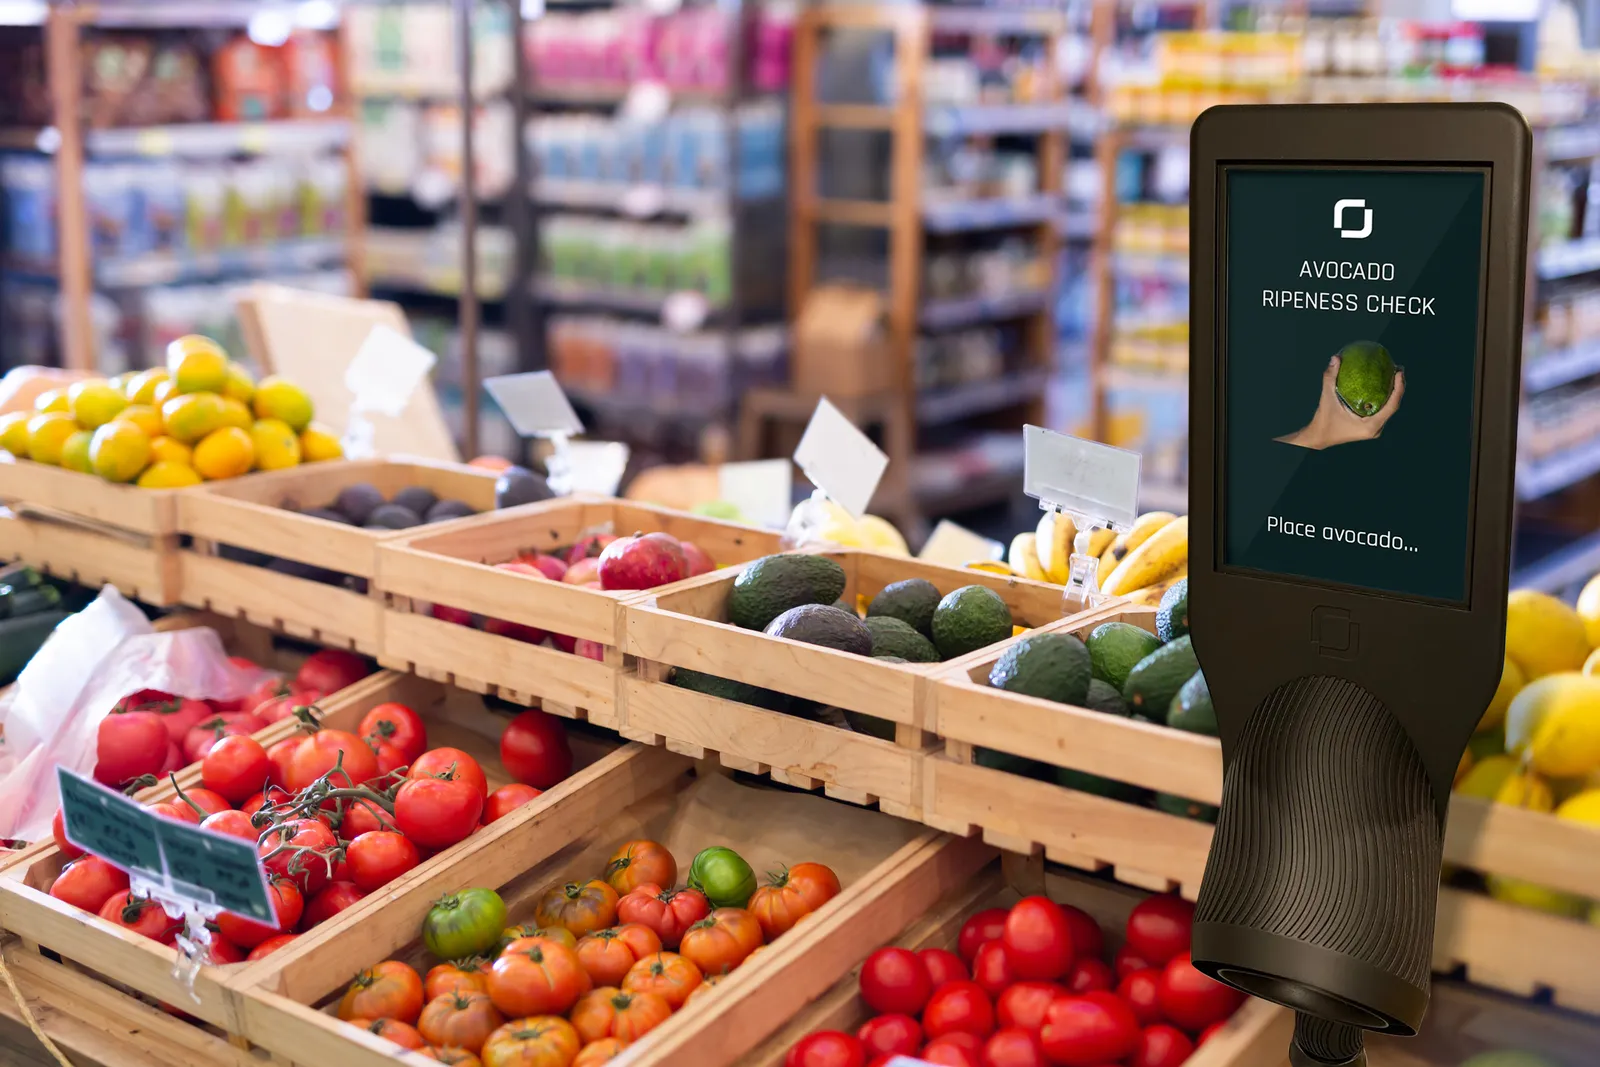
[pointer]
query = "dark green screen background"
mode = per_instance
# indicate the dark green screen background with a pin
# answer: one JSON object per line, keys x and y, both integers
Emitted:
{"x": 1413, "y": 481}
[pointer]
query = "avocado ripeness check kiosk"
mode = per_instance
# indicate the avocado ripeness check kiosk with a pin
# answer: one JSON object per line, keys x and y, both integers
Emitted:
{"x": 1356, "y": 317}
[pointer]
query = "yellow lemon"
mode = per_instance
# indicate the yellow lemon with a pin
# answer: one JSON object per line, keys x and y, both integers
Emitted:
{"x": 51, "y": 400}
{"x": 225, "y": 453}
{"x": 166, "y": 450}
{"x": 279, "y": 398}
{"x": 192, "y": 416}
{"x": 1523, "y": 790}
{"x": 75, "y": 453}
{"x": 119, "y": 382}
{"x": 14, "y": 432}
{"x": 1584, "y": 808}
{"x": 95, "y": 403}
{"x": 319, "y": 444}
{"x": 1516, "y": 891}
{"x": 1486, "y": 777}
{"x": 141, "y": 388}
{"x": 1511, "y": 682}
{"x": 240, "y": 385}
{"x": 120, "y": 450}
{"x": 143, "y": 416}
{"x": 47, "y": 435}
{"x": 1555, "y": 721}
{"x": 1543, "y": 635}
{"x": 276, "y": 445}
{"x": 197, "y": 364}
{"x": 168, "y": 474}
{"x": 163, "y": 392}
{"x": 236, "y": 412}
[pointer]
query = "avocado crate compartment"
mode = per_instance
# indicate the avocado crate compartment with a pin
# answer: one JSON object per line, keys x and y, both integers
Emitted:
{"x": 688, "y": 628}
{"x": 1509, "y": 947}
{"x": 426, "y": 574}
{"x": 311, "y": 577}
{"x": 287, "y": 1000}
{"x": 1257, "y": 1035}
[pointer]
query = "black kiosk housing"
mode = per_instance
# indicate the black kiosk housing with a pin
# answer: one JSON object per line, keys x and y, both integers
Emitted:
{"x": 1347, "y": 677}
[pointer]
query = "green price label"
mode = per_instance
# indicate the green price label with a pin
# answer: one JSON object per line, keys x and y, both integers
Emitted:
{"x": 215, "y": 869}
{"x": 109, "y": 825}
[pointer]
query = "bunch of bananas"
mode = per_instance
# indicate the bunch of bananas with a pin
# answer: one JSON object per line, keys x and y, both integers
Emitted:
{"x": 1139, "y": 564}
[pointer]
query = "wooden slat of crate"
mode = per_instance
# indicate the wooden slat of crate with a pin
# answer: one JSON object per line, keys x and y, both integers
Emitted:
{"x": 1518, "y": 950}
{"x": 150, "y": 512}
{"x": 144, "y": 568}
{"x": 311, "y": 611}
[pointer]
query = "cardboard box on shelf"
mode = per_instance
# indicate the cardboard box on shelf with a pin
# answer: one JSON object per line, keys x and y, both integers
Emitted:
{"x": 839, "y": 344}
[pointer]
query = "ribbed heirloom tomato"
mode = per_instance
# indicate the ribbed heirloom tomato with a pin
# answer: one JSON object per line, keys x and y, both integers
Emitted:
{"x": 461, "y": 1020}
{"x": 669, "y": 912}
{"x": 602, "y": 1051}
{"x": 721, "y": 941}
{"x": 608, "y": 955}
{"x": 397, "y": 724}
{"x": 537, "y": 976}
{"x": 403, "y": 1034}
{"x": 582, "y": 907}
{"x": 790, "y": 895}
{"x": 541, "y": 1041}
{"x": 640, "y": 863}
{"x": 389, "y": 990}
{"x": 470, "y": 975}
{"x": 609, "y": 1012}
{"x": 666, "y": 974}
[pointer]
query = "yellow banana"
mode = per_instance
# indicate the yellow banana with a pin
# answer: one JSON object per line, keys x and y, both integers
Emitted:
{"x": 1114, "y": 554}
{"x": 989, "y": 566}
{"x": 1157, "y": 559}
{"x": 1024, "y": 557}
{"x": 1100, "y": 541}
{"x": 1150, "y": 596}
{"x": 1147, "y": 524}
{"x": 1053, "y": 542}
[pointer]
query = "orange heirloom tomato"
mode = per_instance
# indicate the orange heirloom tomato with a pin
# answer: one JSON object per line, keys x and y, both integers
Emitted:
{"x": 390, "y": 990}
{"x": 666, "y": 974}
{"x": 541, "y": 1041}
{"x": 554, "y": 933}
{"x": 815, "y": 883}
{"x": 639, "y": 863}
{"x": 454, "y": 1057}
{"x": 402, "y": 1034}
{"x": 704, "y": 988}
{"x": 537, "y": 976}
{"x": 582, "y": 908}
{"x": 721, "y": 941}
{"x": 609, "y": 1012}
{"x": 608, "y": 954}
{"x": 777, "y": 906}
{"x": 462, "y": 1020}
{"x": 458, "y": 976}
{"x": 599, "y": 1052}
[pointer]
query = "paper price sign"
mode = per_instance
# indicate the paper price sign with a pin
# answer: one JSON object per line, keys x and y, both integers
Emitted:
{"x": 955, "y": 546}
{"x": 839, "y": 459}
{"x": 535, "y": 404}
{"x": 596, "y": 466}
{"x": 1080, "y": 477}
{"x": 386, "y": 370}
{"x": 762, "y": 490}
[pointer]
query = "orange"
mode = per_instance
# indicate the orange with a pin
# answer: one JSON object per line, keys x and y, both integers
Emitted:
{"x": 192, "y": 416}
{"x": 276, "y": 445}
{"x": 51, "y": 400}
{"x": 119, "y": 451}
{"x": 240, "y": 385}
{"x": 279, "y": 398}
{"x": 166, "y": 450}
{"x": 236, "y": 412}
{"x": 141, "y": 388}
{"x": 163, "y": 392}
{"x": 318, "y": 444}
{"x": 48, "y": 433}
{"x": 75, "y": 453}
{"x": 14, "y": 432}
{"x": 197, "y": 364}
{"x": 95, "y": 403}
{"x": 143, "y": 416}
{"x": 224, "y": 453}
{"x": 167, "y": 474}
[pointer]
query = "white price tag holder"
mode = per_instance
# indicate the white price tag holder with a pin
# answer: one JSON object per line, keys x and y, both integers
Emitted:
{"x": 684, "y": 311}
{"x": 536, "y": 406}
{"x": 844, "y": 465}
{"x": 596, "y": 466}
{"x": 762, "y": 490}
{"x": 1096, "y": 485}
{"x": 953, "y": 545}
{"x": 647, "y": 102}
{"x": 385, "y": 372}
{"x": 642, "y": 201}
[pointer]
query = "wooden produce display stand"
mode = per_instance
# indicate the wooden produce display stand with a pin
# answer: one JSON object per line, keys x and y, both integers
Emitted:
{"x": 250, "y": 514}
{"x": 1509, "y": 947}
{"x": 455, "y": 567}
{"x": 687, "y": 627}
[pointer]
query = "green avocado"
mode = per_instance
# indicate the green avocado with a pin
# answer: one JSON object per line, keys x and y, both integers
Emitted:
{"x": 968, "y": 619}
{"x": 728, "y": 689}
{"x": 773, "y": 584}
{"x": 1191, "y": 709}
{"x": 1172, "y": 618}
{"x": 1366, "y": 377}
{"x": 1044, "y": 665}
{"x": 1114, "y": 648}
{"x": 1104, "y": 697}
{"x": 824, "y": 625}
{"x": 912, "y": 601}
{"x": 1156, "y": 679}
{"x": 893, "y": 638}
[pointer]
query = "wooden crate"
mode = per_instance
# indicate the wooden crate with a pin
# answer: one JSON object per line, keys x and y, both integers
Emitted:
{"x": 247, "y": 514}
{"x": 1508, "y": 947}
{"x": 286, "y": 999}
{"x": 454, "y": 567}
{"x": 687, "y": 627}
{"x": 144, "y": 567}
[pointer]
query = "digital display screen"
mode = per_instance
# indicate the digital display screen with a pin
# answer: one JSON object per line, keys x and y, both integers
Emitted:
{"x": 1350, "y": 315}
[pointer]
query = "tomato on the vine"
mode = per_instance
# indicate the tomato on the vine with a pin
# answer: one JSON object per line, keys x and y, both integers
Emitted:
{"x": 608, "y": 955}
{"x": 363, "y": 816}
{"x": 827, "y": 1048}
{"x": 88, "y": 883}
{"x": 176, "y": 810}
{"x": 537, "y": 976}
{"x": 1159, "y": 928}
{"x": 141, "y": 915}
{"x": 669, "y": 912}
{"x": 235, "y": 768}
{"x": 392, "y": 762}
{"x": 333, "y": 899}
{"x": 1038, "y": 939}
{"x": 1191, "y": 999}
{"x": 535, "y": 751}
{"x": 206, "y": 800}
{"x": 721, "y": 941}
{"x": 890, "y": 1035}
{"x": 1161, "y": 1046}
{"x": 180, "y": 715}
{"x": 986, "y": 925}
{"x": 307, "y": 859}
{"x": 281, "y": 755}
{"x": 450, "y": 763}
{"x": 943, "y": 966}
{"x": 378, "y": 857}
{"x": 1013, "y": 1048}
{"x": 325, "y": 749}
{"x": 437, "y": 812}
{"x": 388, "y": 990}
{"x": 1139, "y": 990}
{"x": 199, "y": 740}
{"x": 958, "y": 1008}
{"x": 894, "y": 980}
{"x": 397, "y": 724}
{"x": 1090, "y": 1030}
{"x": 640, "y": 863}
{"x": 1024, "y": 1004}
{"x": 992, "y": 968}
{"x": 506, "y": 799}
{"x": 219, "y": 950}
{"x": 287, "y": 905}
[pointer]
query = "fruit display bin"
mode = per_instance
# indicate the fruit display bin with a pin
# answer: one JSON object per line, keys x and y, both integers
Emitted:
{"x": 455, "y": 568}
{"x": 1507, "y": 946}
{"x": 884, "y": 865}
{"x": 687, "y": 627}
{"x": 235, "y": 521}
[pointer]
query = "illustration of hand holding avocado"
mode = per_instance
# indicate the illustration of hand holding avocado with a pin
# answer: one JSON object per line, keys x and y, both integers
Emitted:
{"x": 1361, "y": 391}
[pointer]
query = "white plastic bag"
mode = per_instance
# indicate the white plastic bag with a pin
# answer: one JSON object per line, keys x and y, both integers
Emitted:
{"x": 92, "y": 660}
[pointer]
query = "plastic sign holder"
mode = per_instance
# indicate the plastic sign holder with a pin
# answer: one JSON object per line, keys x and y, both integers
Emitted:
{"x": 762, "y": 489}
{"x": 843, "y": 464}
{"x": 188, "y": 871}
{"x": 1095, "y": 485}
{"x": 537, "y": 407}
{"x": 386, "y": 370}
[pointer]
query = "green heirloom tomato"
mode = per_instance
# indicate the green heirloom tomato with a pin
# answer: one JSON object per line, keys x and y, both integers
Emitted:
{"x": 464, "y": 924}
{"x": 723, "y": 876}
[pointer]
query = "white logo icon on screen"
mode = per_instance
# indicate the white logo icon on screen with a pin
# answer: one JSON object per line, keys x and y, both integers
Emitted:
{"x": 1366, "y": 218}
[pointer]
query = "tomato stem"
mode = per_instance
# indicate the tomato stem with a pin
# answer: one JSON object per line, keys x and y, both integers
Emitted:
{"x": 198, "y": 810}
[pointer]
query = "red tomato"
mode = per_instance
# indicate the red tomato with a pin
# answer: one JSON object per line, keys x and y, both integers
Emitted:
{"x": 141, "y": 915}
{"x": 269, "y": 689}
{"x": 279, "y": 708}
{"x": 1087, "y": 975}
{"x": 268, "y": 947}
{"x": 309, "y": 846}
{"x": 220, "y": 950}
{"x": 377, "y": 858}
{"x": 88, "y": 883}
{"x": 1088, "y": 1031}
{"x": 58, "y": 830}
{"x": 142, "y": 698}
{"x": 534, "y": 749}
{"x": 1013, "y": 1048}
{"x": 318, "y": 754}
{"x": 128, "y": 745}
{"x": 437, "y": 812}
{"x": 450, "y": 763}
{"x": 943, "y": 966}
{"x": 1139, "y": 991}
{"x": 233, "y": 823}
{"x": 398, "y": 725}
{"x": 1038, "y": 939}
{"x": 891, "y": 1035}
{"x": 208, "y": 801}
{"x": 1127, "y": 961}
{"x": 198, "y": 741}
{"x": 1159, "y": 928}
{"x": 894, "y": 980}
{"x": 984, "y": 926}
{"x": 1209, "y": 1032}
{"x": 958, "y": 1008}
{"x": 826, "y": 1048}
{"x": 331, "y": 669}
{"x": 363, "y": 816}
{"x": 281, "y": 754}
{"x": 273, "y": 795}
{"x": 236, "y": 767}
{"x": 176, "y": 809}
{"x": 174, "y": 760}
{"x": 1161, "y": 1046}
{"x": 330, "y": 902}
{"x": 1193, "y": 1000}
{"x": 992, "y": 969}
{"x": 1024, "y": 1004}
{"x": 506, "y": 799}
{"x": 287, "y": 904}
{"x": 1087, "y": 937}
{"x": 392, "y": 763}
{"x": 180, "y": 716}
{"x": 952, "y": 1051}
{"x": 669, "y": 912}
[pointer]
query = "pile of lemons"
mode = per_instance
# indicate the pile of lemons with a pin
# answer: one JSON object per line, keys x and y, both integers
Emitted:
{"x": 202, "y": 417}
{"x": 1538, "y": 745}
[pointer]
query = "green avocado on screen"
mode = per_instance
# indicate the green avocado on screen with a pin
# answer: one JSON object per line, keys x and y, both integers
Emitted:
{"x": 1366, "y": 377}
